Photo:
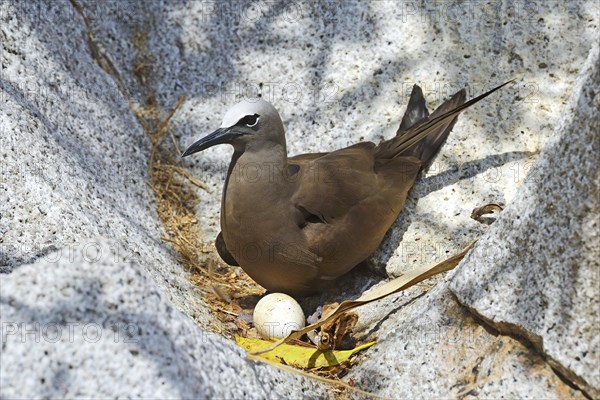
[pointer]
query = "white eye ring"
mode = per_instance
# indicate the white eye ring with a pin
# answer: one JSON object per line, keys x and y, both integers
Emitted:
{"x": 254, "y": 124}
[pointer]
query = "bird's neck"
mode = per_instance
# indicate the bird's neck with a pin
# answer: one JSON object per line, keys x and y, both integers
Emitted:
{"x": 256, "y": 168}
{"x": 268, "y": 154}
{"x": 253, "y": 176}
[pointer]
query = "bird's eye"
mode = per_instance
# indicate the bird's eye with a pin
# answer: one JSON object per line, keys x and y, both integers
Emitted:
{"x": 249, "y": 120}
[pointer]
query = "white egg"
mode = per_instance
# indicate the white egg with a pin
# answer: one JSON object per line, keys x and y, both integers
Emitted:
{"x": 276, "y": 315}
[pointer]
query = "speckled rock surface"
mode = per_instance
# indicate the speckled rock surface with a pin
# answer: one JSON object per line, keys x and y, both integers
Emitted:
{"x": 94, "y": 325}
{"x": 74, "y": 170}
{"x": 536, "y": 272}
{"x": 431, "y": 347}
{"x": 74, "y": 158}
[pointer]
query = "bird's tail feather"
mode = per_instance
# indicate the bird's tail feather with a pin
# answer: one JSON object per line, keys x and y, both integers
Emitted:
{"x": 428, "y": 147}
{"x": 416, "y": 111}
{"x": 422, "y": 135}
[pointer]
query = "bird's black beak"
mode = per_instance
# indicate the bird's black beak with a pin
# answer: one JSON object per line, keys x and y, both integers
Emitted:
{"x": 220, "y": 136}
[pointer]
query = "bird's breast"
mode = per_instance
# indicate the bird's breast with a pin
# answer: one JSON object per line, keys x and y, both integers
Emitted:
{"x": 257, "y": 208}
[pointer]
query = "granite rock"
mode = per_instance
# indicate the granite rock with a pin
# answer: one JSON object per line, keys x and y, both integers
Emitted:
{"x": 96, "y": 325}
{"x": 535, "y": 273}
{"x": 74, "y": 158}
{"x": 430, "y": 346}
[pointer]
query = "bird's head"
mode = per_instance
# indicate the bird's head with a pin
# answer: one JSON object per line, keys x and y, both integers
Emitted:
{"x": 247, "y": 125}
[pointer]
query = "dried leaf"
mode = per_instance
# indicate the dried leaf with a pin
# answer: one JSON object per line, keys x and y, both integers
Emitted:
{"x": 337, "y": 333}
{"x": 299, "y": 356}
{"x": 479, "y": 212}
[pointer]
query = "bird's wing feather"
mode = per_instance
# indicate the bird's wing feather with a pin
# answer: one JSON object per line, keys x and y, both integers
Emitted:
{"x": 224, "y": 252}
{"x": 345, "y": 206}
{"x": 323, "y": 188}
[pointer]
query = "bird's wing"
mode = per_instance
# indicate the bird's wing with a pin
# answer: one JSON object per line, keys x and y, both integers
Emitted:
{"x": 344, "y": 207}
{"x": 329, "y": 184}
{"x": 224, "y": 252}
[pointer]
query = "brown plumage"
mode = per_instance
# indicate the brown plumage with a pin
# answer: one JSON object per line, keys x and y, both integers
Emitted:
{"x": 296, "y": 224}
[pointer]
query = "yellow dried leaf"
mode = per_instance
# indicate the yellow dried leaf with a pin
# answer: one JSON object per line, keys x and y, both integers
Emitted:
{"x": 299, "y": 356}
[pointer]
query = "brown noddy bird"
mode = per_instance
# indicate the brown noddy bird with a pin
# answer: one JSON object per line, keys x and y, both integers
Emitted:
{"x": 295, "y": 224}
